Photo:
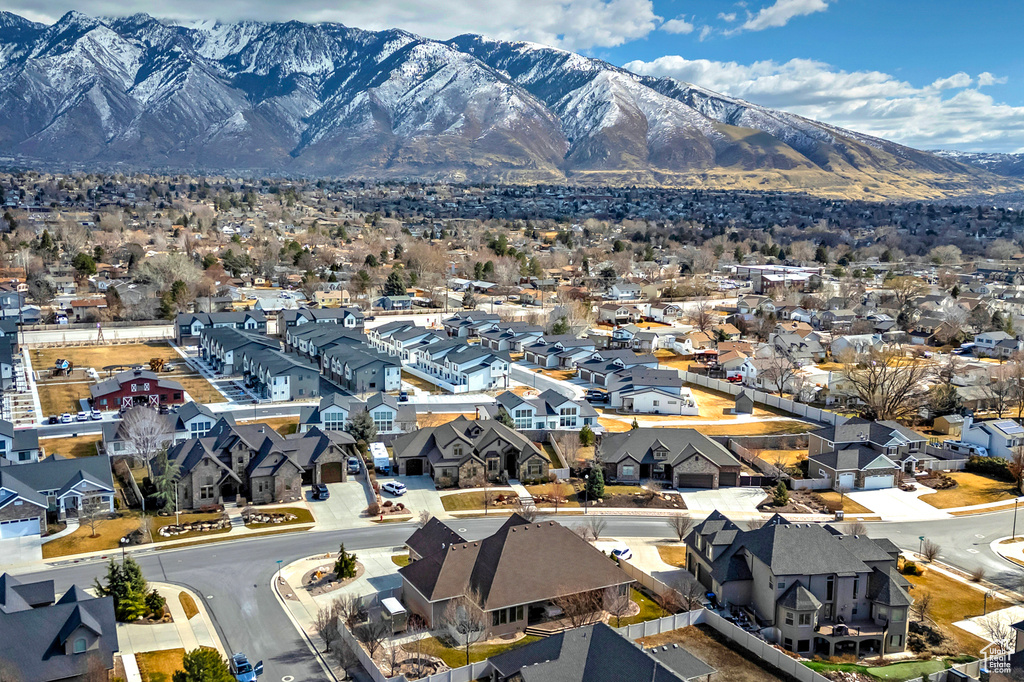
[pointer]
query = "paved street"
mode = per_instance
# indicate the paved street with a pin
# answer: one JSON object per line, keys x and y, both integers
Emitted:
{"x": 235, "y": 576}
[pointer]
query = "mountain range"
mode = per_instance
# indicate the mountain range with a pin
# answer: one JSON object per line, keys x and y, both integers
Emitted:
{"x": 328, "y": 99}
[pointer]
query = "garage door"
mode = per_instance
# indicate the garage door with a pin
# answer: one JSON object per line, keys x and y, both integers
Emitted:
{"x": 19, "y": 528}
{"x": 846, "y": 480}
{"x": 414, "y": 467}
{"x": 695, "y": 480}
{"x": 877, "y": 482}
{"x": 726, "y": 479}
{"x": 332, "y": 472}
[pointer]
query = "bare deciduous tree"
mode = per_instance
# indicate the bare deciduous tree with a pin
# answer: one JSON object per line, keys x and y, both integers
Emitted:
{"x": 580, "y": 608}
{"x": 978, "y": 574}
{"x": 922, "y": 604}
{"x": 1016, "y": 467}
{"x": 681, "y": 525}
{"x": 325, "y": 622}
{"x": 1001, "y": 391}
{"x": 527, "y": 511}
{"x": 146, "y": 432}
{"x": 596, "y": 526}
{"x": 617, "y": 603}
{"x": 930, "y": 550}
{"x": 568, "y": 443}
{"x": 856, "y": 528}
{"x": 464, "y": 622}
{"x": 92, "y": 511}
{"x": 701, "y": 315}
{"x": 889, "y": 384}
{"x": 778, "y": 370}
{"x": 691, "y": 592}
{"x": 345, "y": 656}
{"x": 372, "y": 634}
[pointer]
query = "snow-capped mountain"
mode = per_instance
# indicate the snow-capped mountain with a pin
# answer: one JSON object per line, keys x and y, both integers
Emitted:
{"x": 1011, "y": 165}
{"x": 330, "y": 99}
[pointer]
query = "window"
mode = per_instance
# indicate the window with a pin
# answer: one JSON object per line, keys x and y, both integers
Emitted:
{"x": 883, "y": 612}
{"x": 534, "y": 469}
{"x": 334, "y": 421}
{"x": 80, "y": 645}
{"x": 655, "y": 403}
{"x": 803, "y": 645}
{"x": 628, "y": 471}
{"x": 199, "y": 429}
{"x": 787, "y": 644}
{"x": 896, "y": 616}
{"x": 206, "y": 492}
{"x": 457, "y": 451}
{"x": 24, "y": 456}
{"x": 567, "y": 416}
{"x": 522, "y": 419}
{"x": 896, "y": 640}
{"x": 384, "y": 420}
{"x": 856, "y": 587}
{"x": 781, "y": 585}
{"x": 830, "y": 588}
{"x": 805, "y": 619}
{"x": 789, "y": 617}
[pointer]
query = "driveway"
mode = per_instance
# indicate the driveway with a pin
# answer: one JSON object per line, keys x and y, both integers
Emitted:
{"x": 21, "y": 550}
{"x": 893, "y": 504}
{"x": 344, "y": 508}
{"x": 420, "y": 495}
{"x": 725, "y": 500}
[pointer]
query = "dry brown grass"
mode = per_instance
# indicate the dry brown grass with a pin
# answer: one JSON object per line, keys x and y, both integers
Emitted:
{"x": 283, "y": 425}
{"x": 108, "y": 536}
{"x": 849, "y": 506}
{"x": 710, "y": 647}
{"x": 79, "y": 446}
{"x": 158, "y": 522}
{"x": 188, "y": 604}
{"x": 57, "y": 398}
{"x": 787, "y": 458}
{"x": 674, "y": 555}
{"x": 726, "y": 428}
{"x": 421, "y": 384}
{"x": 560, "y": 374}
{"x": 971, "y": 489}
{"x": 953, "y": 601}
{"x": 440, "y": 418}
{"x": 159, "y": 666}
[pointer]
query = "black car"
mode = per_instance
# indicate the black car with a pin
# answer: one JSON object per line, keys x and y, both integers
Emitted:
{"x": 403, "y": 397}
{"x": 320, "y": 491}
{"x": 595, "y": 396}
{"x": 54, "y": 419}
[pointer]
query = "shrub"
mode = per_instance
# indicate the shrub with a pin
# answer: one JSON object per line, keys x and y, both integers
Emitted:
{"x": 400, "y": 506}
{"x": 781, "y": 497}
{"x": 387, "y": 503}
{"x": 345, "y": 566}
{"x": 155, "y": 602}
{"x": 911, "y": 568}
{"x": 373, "y": 509}
{"x": 996, "y": 467}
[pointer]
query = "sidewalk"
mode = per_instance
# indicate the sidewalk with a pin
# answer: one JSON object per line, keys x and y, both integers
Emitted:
{"x": 184, "y": 633}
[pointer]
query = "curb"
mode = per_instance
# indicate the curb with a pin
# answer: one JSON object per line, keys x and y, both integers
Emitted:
{"x": 317, "y": 654}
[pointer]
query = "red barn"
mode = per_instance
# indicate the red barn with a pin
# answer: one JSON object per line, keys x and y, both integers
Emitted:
{"x": 136, "y": 387}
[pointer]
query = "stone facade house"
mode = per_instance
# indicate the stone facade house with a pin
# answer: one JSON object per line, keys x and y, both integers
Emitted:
{"x": 684, "y": 457}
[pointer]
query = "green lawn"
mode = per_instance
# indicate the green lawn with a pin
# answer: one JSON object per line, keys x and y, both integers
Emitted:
{"x": 649, "y": 610}
{"x": 456, "y": 658}
{"x": 400, "y": 559}
{"x": 895, "y": 672}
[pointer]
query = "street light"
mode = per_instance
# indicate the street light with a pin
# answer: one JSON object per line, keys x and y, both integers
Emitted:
{"x": 1015, "y": 517}
{"x": 124, "y": 543}
{"x": 586, "y": 492}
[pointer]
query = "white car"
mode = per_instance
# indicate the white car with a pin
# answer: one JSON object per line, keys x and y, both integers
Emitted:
{"x": 622, "y": 552}
{"x": 82, "y": 417}
{"x": 96, "y": 415}
{"x": 394, "y": 487}
{"x": 65, "y": 418}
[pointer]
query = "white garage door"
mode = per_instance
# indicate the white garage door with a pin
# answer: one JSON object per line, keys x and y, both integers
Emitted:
{"x": 19, "y": 529}
{"x": 846, "y": 480}
{"x": 877, "y": 482}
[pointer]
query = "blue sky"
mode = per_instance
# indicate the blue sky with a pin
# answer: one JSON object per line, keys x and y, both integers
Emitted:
{"x": 931, "y": 74}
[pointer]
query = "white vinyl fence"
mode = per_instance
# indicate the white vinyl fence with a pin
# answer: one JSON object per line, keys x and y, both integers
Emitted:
{"x": 766, "y": 399}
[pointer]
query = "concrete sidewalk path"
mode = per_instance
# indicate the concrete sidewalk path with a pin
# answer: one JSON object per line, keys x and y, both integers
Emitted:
{"x": 183, "y": 633}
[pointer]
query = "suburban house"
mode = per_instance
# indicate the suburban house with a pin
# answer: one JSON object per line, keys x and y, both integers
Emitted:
{"x": 279, "y": 376}
{"x": 461, "y": 367}
{"x": 549, "y": 411}
{"x": 596, "y": 652}
{"x": 399, "y": 302}
{"x": 666, "y": 312}
{"x": 350, "y": 318}
{"x": 462, "y": 452}
{"x": 135, "y": 387}
{"x": 555, "y": 351}
{"x": 313, "y": 340}
{"x": 623, "y": 291}
{"x": 1001, "y": 437}
{"x": 18, "y": 446}
{"x": 858, "y": 344}
{"x": 334, "y": 413}
{"x": 468, "y": 324}
{"x": 390, "y": 416}
{"x": 432, "y": 537}
{"x": 996, "y": 344}
{"x": 57, "y": 486}
{"x": 650, "y": 391}
{"x": 71, "y": 638}
{"x": 810, "y": 588}
{"x": 616, "y": 313}
{"x": 601, "y": 366}
{"x": 514, "y": 575}
{"x": 865, "y": 454}
{"x": 187, "y": 326}
{"x": 361, "y": 369}
{"x": 684, "y": 457}
{"x": 511, "y": 336}
{"x": 191, "y": 420}
{"x": 257, "y": 463}
{"x": 222, "y": 347}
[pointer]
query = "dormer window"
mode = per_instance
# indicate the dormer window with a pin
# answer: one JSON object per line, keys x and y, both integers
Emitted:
{"x": 457, "y": 451}
{"x": 80, "y": 645}
{"x": 660, "y": 454}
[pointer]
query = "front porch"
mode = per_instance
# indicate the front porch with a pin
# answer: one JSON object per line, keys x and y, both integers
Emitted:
{"x": 860, "y": 639}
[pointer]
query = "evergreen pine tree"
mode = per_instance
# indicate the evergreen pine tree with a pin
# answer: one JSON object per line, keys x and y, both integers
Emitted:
{"x": 595, "y": 484}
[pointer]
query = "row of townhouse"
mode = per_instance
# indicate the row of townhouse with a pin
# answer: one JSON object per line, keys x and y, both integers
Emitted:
{"x": 549, "y": 411}
{"x": 559, "y": 351}
{"x": 335, "y": 413}
{"x": 510, "y": 336}
{"x": 277, "y": 376}
{"x": 222, "y": 347}
{"x": 349, "y": 318}
{"x": 189, "y": 326}
{"x": 466, "y": 367}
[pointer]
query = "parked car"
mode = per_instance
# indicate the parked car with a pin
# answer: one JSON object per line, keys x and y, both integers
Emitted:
{"x": 596, "y": 396}
{"x": 403, "y": 397}
{"x": 54, "y": 419}
{"x": 353, "y": 465}
{"x": 96, "y": 415}
{"x": 622, "y": 552}
{"x": 66, "y": 418}
{"x": 82, "y": 416}
{"x": 734, "y": 379}
{"x": 242, "y": 670}
{"x": 320, "y": 491}
{"x": 394, "y": 487}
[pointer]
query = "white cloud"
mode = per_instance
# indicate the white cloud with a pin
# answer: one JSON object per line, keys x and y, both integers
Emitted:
{"x": 946, "y": 113}
{"x": 729, "y": 17}
{"x": 705, "y": 31}
{"x": 570, "y": 24}
{"x": 957, "y": 80}
{"x": 985, "y": 78}
{"x": 779, "y": 13}
{"x": 678, "y": 25}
